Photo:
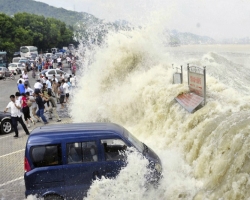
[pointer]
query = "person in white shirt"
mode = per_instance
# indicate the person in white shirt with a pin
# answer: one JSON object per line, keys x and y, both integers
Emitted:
{"x": 61, "y": 76}
{"x": 28, "y": 89}
{"x": 38, "y": 86}
{"x": 66, "y": 90}
{"x": 26, "y": 78}
{"x": 72, "y": 81}
{"x": 51, "y": 64}
{"x": 16, "y": 115}
{"x": 48, "y": 83}
{"x": 54, "y": 78}
{"x": 43, "y": 79}
{"x": 18, "y": 97}
{"x": 68, "y": 61}
{"x": 20, "y": 79}
{"x": 59, "y": 60}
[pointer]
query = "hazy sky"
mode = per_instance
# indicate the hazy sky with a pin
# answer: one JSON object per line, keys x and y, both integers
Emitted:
{"x": 214, "y": 18}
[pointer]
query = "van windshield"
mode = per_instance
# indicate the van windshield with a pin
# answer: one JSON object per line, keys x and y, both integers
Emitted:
{"x": 138, "y": 144}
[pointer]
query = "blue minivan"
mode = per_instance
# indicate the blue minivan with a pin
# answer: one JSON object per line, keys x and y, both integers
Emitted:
{"x": 61, "y": 161}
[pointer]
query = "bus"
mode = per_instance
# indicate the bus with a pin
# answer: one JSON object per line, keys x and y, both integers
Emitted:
{"x": 26, "y": 51}
{"x": 71, "y": 47}
{"x": 3, "y": 60}
{"x": 54, "y": 50}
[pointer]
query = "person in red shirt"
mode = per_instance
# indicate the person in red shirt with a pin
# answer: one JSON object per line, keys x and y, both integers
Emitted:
{"x": 74, "y": 68}
{"x": 26, "y": 109}
{"x": 47, "y": 64}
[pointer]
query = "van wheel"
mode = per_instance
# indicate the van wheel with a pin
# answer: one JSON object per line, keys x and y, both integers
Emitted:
{"x": 53, "y": 197}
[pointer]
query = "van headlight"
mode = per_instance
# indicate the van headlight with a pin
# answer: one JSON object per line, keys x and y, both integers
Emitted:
{"x": 158, "y": 167}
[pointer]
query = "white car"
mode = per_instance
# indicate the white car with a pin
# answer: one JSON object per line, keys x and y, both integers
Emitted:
{"x": 48, "y": 55}
{"x": 16, "y": 68}
{"x": 57, "y": 72}
{"x": 16, "y": 59}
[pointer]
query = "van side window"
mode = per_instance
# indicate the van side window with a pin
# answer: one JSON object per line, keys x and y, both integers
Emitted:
{"x": 114, "y": 149}
{"x": 82, "y": 152}
{"x": 90, "y": 152}
{"x": 46, "y": 155}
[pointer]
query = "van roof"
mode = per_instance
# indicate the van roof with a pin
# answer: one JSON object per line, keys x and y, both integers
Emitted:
{"x": 84, "y": 129}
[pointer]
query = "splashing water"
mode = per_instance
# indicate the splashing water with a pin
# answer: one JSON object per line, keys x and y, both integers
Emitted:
{"x": 130, "y": 183}
{"x": 205, "y": 155}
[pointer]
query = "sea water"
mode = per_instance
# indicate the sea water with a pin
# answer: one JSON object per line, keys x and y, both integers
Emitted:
{"x": 205, "y": 154}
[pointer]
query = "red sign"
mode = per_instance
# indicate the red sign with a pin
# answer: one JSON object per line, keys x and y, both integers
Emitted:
{"x": 196, "y": 83}
{"x": 189, "y": 101}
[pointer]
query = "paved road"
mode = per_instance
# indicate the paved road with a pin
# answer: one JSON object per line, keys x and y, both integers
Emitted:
{"x": 12, "y": 150}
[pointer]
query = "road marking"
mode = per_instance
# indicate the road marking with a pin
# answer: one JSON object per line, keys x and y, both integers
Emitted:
{"x": 12, "y": 153}
{"x": 8, "y": 182}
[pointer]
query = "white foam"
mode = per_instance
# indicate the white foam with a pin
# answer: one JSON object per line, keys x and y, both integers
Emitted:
{"x": 129, "y": 82}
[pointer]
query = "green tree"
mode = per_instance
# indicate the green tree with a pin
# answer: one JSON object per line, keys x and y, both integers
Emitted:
{"x": 26, "y": 29}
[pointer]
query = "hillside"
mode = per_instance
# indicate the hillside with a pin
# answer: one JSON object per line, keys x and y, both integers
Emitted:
{"x": 11, "y": 7}
{"x": 178, "y": 38}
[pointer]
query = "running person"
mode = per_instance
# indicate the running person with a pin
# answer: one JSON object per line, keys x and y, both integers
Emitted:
{"x": 26, "y": 109}
{"x": 16, "y": 115}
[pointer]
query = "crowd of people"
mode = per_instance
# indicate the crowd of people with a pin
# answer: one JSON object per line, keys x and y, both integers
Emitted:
{"x": 31, "y": 103}
{"x": 54, "y": 61}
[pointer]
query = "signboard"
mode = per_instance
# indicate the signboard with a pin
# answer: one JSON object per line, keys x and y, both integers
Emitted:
{"x": 177, "y": 78}
{"x": 189, "y": 101}
{"x": 197, "y": 89}
{"x": 196, "y": 83}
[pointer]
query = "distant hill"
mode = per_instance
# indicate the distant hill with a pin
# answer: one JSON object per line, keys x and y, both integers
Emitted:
{"x": 245, "y": 40}
{"x": 178, "y": 38}
{"x": 11, "y": 7}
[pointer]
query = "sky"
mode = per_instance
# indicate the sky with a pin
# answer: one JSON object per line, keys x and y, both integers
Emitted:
{"x": 218, "y": 19}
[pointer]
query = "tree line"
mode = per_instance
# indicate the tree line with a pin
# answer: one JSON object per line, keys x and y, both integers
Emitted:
{"x": 24, "y": 29}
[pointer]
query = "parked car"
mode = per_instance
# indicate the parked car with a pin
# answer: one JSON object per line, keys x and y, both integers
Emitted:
{"x": 25, "y": 62}
{"x": 48, "y": 55}
{"x": 63, "y": 50}
{"x": 33, "y": 56}
{"x": 16, "y": 54}
{"x": 5, "y": 123}
{"x": 50, "y": 72}
{"x": 61, "y": 161}
{"x": 15, "y": 68}
{"x": 59, "y": 54}
{"x": 16, "y": 59}
{"x": 3, "y": 71}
